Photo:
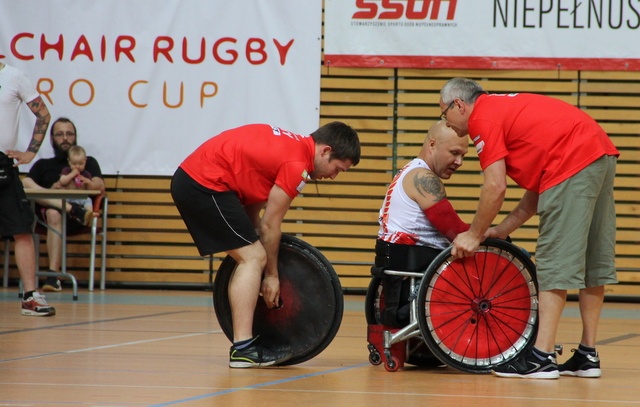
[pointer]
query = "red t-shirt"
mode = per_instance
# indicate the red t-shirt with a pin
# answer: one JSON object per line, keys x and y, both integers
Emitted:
{"x": 543, "y": 140}
{"x": 250, "y": 159}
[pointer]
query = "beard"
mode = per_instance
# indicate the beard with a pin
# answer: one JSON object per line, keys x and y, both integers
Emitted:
{"x": 61, "y": 152}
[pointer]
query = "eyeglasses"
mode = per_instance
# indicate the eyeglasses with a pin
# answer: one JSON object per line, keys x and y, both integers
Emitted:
{"x": 443, "y": 116}
{"x": 69, "y": 134}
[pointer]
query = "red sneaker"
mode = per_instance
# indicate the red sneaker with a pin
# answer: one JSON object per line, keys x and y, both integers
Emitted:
{"x": 37, "y": 306}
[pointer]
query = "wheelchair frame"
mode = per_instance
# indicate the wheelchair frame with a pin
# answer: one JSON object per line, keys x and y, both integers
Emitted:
{"x": 454, "y": 306}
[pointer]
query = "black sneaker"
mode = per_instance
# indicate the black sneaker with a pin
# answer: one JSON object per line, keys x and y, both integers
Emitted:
{"x": 52, "y": 284}
{"x": 529, "y": 366}
{"x": 79, "y": 213}
{"x": 581, "y": 365}
{"x": 256, "y": 356}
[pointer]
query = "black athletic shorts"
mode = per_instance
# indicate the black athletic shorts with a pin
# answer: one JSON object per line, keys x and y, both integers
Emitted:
{"x": 16, "y": 215}
{"x": 216, "y": 220}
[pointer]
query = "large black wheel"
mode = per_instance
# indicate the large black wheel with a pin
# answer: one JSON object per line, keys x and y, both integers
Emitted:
{"x": 312, "y": 301}
{"x": 374, "y": 302}
{"x": 481, "y": 311}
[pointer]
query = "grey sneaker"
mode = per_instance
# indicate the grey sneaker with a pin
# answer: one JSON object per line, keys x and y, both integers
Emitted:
{"x": 256, "y": 356}
{"x": 529, "y": 366}
{"x": 581, "y": 365}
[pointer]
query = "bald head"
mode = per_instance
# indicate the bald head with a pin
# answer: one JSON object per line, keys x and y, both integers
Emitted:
{"x": 443, "y": 150}
{"x": 439, "y": 132}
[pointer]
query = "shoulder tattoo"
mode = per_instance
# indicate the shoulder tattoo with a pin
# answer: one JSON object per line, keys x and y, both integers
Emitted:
{"x": 429, "y": 185}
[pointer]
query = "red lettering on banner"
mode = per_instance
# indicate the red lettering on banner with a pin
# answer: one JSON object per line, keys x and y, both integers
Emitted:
{"x": 14, "y": 46}
{"x": 395, "y": 10}
{"x": 186, "y": 58}
{"x": 233, "y": 53}
{"x": 123, "y": 45}
{"x": 120, "y": 49}
{"x": 82, "y": 48}
{"x": 257, "y": 49}
{"x": 103, "y": 47}
{"x": 46, "y": 46}
{"x": 370, "y": 7}
{"x": 163, "y": 50}
{"x": 283, "y": 50}
{"x": 225, "y": 50}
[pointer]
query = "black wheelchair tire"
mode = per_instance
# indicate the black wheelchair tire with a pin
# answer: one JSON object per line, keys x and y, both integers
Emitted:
{"x": 308, "y": 326}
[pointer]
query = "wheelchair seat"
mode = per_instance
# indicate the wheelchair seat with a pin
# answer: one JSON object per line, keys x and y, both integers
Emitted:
{"x": 395, "y": 264}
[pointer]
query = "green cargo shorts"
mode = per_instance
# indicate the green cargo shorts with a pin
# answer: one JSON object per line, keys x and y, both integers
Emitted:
{"x": 576, "y": 243}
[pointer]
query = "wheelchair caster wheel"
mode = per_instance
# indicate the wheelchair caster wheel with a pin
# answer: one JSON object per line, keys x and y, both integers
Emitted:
{"x": 374, "y": 356}
{"x": 375, "y": 359}
{"x": 392, "y": 365}
{"x": 558, "y": 349}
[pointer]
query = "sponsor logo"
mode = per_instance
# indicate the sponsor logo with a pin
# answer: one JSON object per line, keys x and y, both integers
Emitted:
{"x": 405, "y": 9}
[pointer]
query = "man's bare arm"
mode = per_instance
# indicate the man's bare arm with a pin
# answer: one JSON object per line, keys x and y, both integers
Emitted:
{"x": 39, "y": 109}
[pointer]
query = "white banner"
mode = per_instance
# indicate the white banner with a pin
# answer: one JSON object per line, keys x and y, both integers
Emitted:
{"x": 484, "y": 34}
{"x": 148, "y": 81}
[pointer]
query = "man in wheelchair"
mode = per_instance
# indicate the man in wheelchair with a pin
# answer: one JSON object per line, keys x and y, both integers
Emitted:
{"x": 416, "y": 220}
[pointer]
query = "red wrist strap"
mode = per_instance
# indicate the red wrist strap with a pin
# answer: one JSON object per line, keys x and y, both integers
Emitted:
{"x": 445, "y": 219}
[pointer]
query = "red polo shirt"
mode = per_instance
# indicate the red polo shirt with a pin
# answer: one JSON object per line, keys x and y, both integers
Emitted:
{"x": 543, "y": 140}
{"x": 250, "y": 159}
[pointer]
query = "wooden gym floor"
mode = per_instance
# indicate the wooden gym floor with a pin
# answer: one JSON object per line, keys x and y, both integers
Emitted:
{"x": 165, "y": 348}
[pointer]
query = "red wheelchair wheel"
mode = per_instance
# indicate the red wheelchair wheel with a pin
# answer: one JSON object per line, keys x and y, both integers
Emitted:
{"x": 481, "y": 311}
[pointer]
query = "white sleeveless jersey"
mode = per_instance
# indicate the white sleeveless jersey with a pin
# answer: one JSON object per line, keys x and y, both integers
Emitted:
{"x": 401, "y": 219}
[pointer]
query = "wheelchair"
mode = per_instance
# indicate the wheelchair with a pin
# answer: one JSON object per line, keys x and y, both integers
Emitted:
{"x": 471, "y": 314}
{"x": 311, "y": 297}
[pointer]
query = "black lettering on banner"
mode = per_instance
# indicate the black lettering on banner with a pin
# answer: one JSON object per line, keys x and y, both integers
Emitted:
{"x": 567, "y": 14}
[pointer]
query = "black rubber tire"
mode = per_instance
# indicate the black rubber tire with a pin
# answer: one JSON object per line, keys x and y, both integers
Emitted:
{"x": 312, "y": 299}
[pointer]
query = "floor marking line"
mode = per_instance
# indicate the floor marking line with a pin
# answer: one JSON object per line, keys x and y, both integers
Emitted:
{"x": 99, "y": 321}
{"x": 617, "y": 339}
{"x": 116, "y": 345}
{"x": 259, "y": 385}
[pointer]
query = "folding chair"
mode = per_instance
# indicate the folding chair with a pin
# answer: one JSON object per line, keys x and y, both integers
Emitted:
{"x": 98, "y": 228}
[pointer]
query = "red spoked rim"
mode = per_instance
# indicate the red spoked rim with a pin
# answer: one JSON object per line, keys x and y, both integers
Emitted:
{"x": 481, "y": 310}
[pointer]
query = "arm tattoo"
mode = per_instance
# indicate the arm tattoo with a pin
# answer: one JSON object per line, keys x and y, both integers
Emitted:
{"x": 427, "y": 183}
{"x": 34, "y": 145}
{"x": 43, "y": 118}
